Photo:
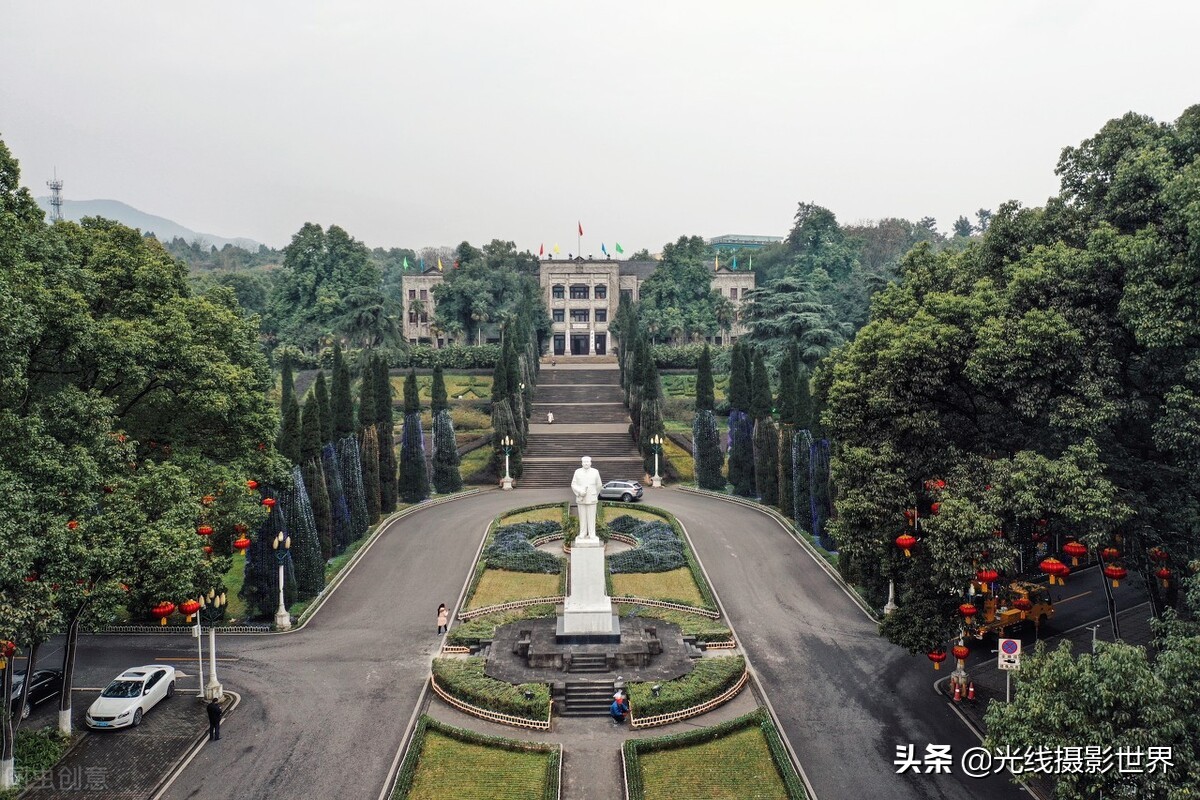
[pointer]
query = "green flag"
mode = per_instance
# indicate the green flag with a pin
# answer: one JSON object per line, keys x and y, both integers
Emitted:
{"x": 406, "y": 263}
{"x": 619, "y": 248}
{"x": 734, "y": 263}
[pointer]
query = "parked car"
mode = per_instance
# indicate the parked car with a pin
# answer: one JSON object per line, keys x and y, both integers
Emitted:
{"x": 131, "y": 694}
{"x": 625, "y": 491}
{"x": 46, "y": 683}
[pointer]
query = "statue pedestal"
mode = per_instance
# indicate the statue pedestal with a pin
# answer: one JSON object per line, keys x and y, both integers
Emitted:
{"x": 588, "y": 611}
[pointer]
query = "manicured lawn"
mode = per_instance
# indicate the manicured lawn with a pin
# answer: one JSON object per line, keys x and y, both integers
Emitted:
{"x": 676, "y": 586}
{"x": 449, "y": 769}
{"x": 735, "y": 767}
{"x": 502, "y": 586}
{"x": 685, "y": 386}
{"x": 681, "y": 461}
{"x": 703, "y": 628}
{"x": 551, "y": 514}
{"x": 474, "y": 462}
{"x": 234, "y": 578}
{"x": 36, "y": 752}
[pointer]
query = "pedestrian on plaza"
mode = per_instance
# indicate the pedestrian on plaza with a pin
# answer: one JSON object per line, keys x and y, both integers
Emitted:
{"x": 443, "y": 619}
{"x": 550, "y": 418}
{"x": 617, "y": 711}
{"x": 214, "y": 720}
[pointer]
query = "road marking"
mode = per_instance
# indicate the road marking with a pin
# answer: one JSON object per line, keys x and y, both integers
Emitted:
{"x": 180, "y": 658}
{"x": 1072, "y": 597}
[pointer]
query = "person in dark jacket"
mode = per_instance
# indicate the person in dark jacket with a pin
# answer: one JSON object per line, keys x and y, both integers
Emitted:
{"x": 214, "y": 720}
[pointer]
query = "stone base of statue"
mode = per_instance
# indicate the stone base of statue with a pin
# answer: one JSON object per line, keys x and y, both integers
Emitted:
{"x": 587, "y": 616}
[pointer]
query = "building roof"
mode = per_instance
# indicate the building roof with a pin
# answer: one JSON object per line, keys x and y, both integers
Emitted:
{"x": 743, "y": 239}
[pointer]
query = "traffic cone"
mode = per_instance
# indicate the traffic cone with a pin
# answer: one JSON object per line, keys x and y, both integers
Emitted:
{"x": 958, "y": 692}
{"x": 971, "y": 691}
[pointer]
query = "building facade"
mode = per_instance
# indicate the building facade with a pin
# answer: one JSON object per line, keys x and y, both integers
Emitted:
{"x": 582, "y": 295}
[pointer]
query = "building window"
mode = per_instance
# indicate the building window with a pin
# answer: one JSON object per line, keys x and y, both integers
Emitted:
{"x": 412, "y": 317}
{"x": 601, "y": 292}
{"x": 424, "y": 318}
{"x": 717, "y": 341}
{"x": 579, "y": 292}
{"x": 557, "y": 292}
{"x": 733, "y": 293}
{"x": 627, "y": 295}
{"x": 579, "y": 314}
{"x": 558, "y": 314}
{"x": 412, "y": 294}
{"x": 601, "y": 315}
{"x": 424, "y": 295}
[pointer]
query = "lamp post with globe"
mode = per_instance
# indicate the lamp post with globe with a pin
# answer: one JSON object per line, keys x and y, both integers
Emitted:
{"x": 211, "y": 606}
{"x": 282, "y": 545}
{"x": 507, "y": 443}
{"x": 656, "y": 443}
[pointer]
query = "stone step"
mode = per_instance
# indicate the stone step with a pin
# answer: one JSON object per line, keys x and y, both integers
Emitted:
{"x": 548, "y": 376}
{"x": 580, "y": 413}
{"x": 588, "y": 699}
{"x": 558, "y": 474}
{"x": 579, "y": 394}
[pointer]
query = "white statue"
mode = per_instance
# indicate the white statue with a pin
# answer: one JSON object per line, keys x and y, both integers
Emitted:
{"x": 586, "y": 485}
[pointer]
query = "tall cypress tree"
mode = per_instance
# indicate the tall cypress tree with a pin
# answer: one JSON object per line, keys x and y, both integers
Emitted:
{"x": 446, "y": 477}
{"x": 387, "y": 442}
{"x": 760, "y": 390}
{"x": 289, "y": 424}
{"x": 652, "y": 418}
{"x": 741, "y": 425}
{"x": 343, "y": 405}
{"x": 314, "y": 479}
{"x": 414, "y": 475}
{"x": 786, "y": 403}
{"x": 306, "y": 540}
{"x": 766, "y": 435}
{"x": 369, "y": 446}
{"x": 321, "y": 389}
{"x": 503, "y": 423}
{"x": 706, "y": 443}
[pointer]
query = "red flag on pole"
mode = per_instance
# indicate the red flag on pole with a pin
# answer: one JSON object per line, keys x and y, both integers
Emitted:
{"x": 542, "y": 249}
{"x": 581, "y": 229}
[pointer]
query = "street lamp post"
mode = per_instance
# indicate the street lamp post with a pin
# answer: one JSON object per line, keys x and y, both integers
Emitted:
{"x": 891, "y": 601}
{"x": 282, "y": 545}
{"x": 210, "y": 610}
{"x": 507, "y": 444}
{"x": 656, "y": 442}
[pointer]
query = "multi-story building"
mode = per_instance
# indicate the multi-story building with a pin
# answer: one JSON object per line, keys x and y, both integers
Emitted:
{"x": 739, "y": 241}
{"x": 582, "y": 295}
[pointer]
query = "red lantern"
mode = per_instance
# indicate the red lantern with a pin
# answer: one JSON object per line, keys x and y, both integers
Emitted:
{"x": 242, "y": 543}
{"x": 910, "y": 515}
{"x": 252, "y": 485}
{"x": 1110, "y": 553}
{"x": 269, "y": 502}
{"x": 204, "y": 530}
{"x": 935, "y": 508}
{"x": 1158, "y": 554}
{"x": 906, "y": 542}
{"x": 8, "y": 649}
{"x": 1055, "y": 569}
{"x": 937, "y": 657}
{"x": 163, "y": 610}
{"x": 1076, "y": 550}
{"x": 72, "y": 525}
{"x": 986, "y": 576}
{"x": 1115, "y": 573}
{"x": 1164, "y": 575}
{"x": 1022, "y": 604}
{"x": 968, "y": 610}
{"x": 960, "y": 651}
{"x": 208, "y": 550}
{"x": 207, "y": 499}
{"x": 188, "y": 608}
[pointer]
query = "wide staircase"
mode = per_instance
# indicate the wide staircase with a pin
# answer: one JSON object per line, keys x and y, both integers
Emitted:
{"x": 588, "y": 698}
{"x": 590, "y": 419}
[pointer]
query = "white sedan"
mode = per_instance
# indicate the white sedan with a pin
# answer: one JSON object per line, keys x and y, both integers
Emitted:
{"x": 130, "y": 695}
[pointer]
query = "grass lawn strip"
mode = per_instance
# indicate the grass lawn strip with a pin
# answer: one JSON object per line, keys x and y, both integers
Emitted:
{"x": 450, "y": 770}
{"x": 473, "y": 466}
{"x": 548, "y": 514}
{"x": 703, "y": 628}
{"x": 34, "y": 752}
{"x": 708, "y": 679}
{"x": 735, "y": 767}
{"x": 676, "y": 586}
{"x": 503, "y": 586}
{"x": 463, "y": 678}
{"x": 680, "y": 460}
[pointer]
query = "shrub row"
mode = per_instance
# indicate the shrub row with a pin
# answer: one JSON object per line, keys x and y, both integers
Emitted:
{"x": 455, "y": 356}
{"x": 408, "y": 769}
{"x": 687, "y": 356}
{"x": 708, "y": 678}
{"x": 660, "y": 549}
{"x": 758, "y": 718}
{"x": 464, "y": 678}
{"x": 473, "y": 632}
{"x": 510, "y": 549}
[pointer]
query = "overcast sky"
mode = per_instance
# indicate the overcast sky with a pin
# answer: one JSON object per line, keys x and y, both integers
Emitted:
{"x": 427, "y": 124}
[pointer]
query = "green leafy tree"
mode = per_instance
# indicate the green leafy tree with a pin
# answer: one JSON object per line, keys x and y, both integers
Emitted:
{"x": 786, "y": 403}
{"x": 706, "y": 443}
{"x": 341, "y": 402}
{"x": 321, "y": 390}
{"x": 386, "y": 423}
{"x": 289, "y": 428}
{"x": 652, "y": 416}
{"x": 963, "y": 228}
{"x": 677, "y": 301}
{"x": 765, "y": 437}
{"x": 414, "y": 474}
{"x": 314, "y": 478}
{"x": 446, "y": 476}
{"x": 741, "y": 424}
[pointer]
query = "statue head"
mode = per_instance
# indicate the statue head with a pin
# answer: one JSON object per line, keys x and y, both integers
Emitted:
{"x": 587, "y": 462}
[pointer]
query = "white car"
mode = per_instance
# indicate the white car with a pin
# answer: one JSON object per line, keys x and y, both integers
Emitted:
{"x": 130, "y": 695}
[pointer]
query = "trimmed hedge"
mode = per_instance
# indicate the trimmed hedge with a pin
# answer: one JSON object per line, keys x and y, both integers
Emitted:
{"x": 708, "y": 678}
{"x": 660, "y": 549}
{"x": 412, "y": 759}
{"x": 454, "y": 356}
{"x": 633, "y": 748}
{"x": 510, "y": 548}
{"x": 464, "y": 678}
{"x": 474, "y": 632}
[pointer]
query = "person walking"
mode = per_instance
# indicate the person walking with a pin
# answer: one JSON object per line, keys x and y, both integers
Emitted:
{"x": 214, "y": 720}
{"x": 443, "y": 619}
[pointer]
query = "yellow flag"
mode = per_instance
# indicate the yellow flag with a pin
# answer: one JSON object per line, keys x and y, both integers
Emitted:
{"x": 716, "y": 263}
{"x": 556, "y": 249}
{"x": 439, "y": 263}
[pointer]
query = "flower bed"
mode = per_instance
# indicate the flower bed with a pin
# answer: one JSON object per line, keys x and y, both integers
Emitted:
{"x": 659, "y": 550}
{"x": 708, "y": 679}
{"x": 463, "y": 678}
{"x": 510, "y": 548}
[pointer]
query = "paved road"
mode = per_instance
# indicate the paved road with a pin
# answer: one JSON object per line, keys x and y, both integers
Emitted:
{"x": 845, "y": 697}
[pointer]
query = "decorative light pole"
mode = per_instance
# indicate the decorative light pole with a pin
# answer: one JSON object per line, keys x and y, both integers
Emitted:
{"x": 282, "y": 545}
{"x": 210, "y": 612}
{"x": 891, "y": 606}
{"x": 507, "y": 444}
{"x": 656, "y": 443}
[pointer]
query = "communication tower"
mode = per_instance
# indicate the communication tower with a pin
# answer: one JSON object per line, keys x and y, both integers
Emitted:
{"x": 56, "y": 200}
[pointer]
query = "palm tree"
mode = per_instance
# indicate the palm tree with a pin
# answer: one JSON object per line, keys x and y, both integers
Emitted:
{"x": 369, "y": 318}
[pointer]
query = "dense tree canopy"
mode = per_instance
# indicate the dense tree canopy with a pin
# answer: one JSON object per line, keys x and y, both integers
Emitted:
{"x": 678, "y": 303}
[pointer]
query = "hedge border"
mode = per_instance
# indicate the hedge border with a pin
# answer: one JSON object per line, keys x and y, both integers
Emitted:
{"x": 552, "y": 785}
{"x": 632, "y": 750}
{"x": 481, "y": 564}
{"x": 706, "y": 592}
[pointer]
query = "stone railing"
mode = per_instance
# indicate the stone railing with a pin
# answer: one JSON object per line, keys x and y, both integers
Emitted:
{"x": 455, "y": 650}
{"x": 694, "y": 711}
{"x": 646, "y": 601}
{"x": 730, "y": 645}
{"x": 490, "y": 716}
{"x": 510, "y": 606}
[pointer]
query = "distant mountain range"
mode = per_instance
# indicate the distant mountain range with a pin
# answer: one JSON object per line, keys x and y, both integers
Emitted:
{"x": 163, "y": 228}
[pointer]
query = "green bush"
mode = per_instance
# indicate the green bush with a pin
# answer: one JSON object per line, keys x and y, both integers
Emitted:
{"x": 708, "y": 678}
{"x": 659, "y": 550}
{"x": 463, "y": 678}
{"x": 34, "y": 753}
{"x": 455, "y": 356}
{"x": 473, "y": 632}
{"x": 510, "y": 548}
{"x": 687, "y": 356}
{"x": 758, "y": 718}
